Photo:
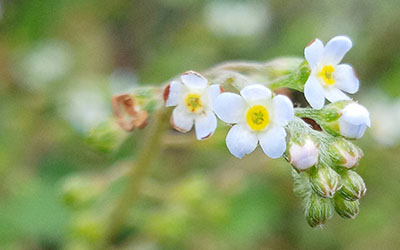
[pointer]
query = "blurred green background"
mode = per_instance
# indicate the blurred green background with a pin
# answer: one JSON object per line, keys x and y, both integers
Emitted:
{"x": 60, "y": 62}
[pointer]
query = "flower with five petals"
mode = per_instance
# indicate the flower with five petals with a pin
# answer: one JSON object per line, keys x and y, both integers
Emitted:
{"x": 194, "y": 99}
{"x": 257, "y": 117}
{"x": 328, "y": 79}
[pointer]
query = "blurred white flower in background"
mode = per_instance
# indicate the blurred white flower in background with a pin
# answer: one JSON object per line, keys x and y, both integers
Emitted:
{"x": 234, "y": 18}
{"x": 85, "y": 104}
{"x": 385, "y": 114}
{"x": 123, "y": 80}
{"x": 47, "y": 62}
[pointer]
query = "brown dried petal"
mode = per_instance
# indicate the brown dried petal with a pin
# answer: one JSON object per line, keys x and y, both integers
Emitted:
{"x": 127, "y": 113}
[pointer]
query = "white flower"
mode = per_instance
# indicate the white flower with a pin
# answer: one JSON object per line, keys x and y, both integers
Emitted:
{"x": 194, "y": 104}
{"x": 327, "y": 78}
{"x": 303, "y": 156}
{"x": 257, "y": 117}
{"x": 354, "y": 120}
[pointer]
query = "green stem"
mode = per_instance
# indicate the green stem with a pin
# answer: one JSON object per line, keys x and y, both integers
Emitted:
{"x": 145, "y": 156}
{"x": 307, "y": 113}
{"x": 278, "y": 73}
{"x": 295, "y": 80}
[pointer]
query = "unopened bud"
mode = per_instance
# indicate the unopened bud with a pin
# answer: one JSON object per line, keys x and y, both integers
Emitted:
{"x": 303, "y": 155}
{"x": 345, "y": 154}
{"x": 325, "y": 181}
{"x": 354, "y": 120}
{"x": 318, "y": 210}
{"x": 353, "y": 186}
{"x": 346, "y": 209}
{"x": 79, "y": 191}
{"x": 346, "y": 118}
{"x": 106, "y": 137}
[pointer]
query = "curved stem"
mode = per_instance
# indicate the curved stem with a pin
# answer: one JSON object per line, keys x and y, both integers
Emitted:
{"x": 136, "y": 175}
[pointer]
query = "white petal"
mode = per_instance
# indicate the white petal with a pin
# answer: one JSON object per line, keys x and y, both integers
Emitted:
{"x": 352, "y": 131}
{"x": 335, "y": 49}
{"x": 205, "y": 125}
{"x": 213, "y": 92}
{"x": 175, "y": 90}
{"x": 194, "y": 80}
{"x": 334, "y": 94}
{"x": 313, "y": 52}
{"x": 230, "y": 107}
{"x": 273, "y": 141}
{"x": 241, "y": 141}
{"x": 314, "y": 92}
{"x": 345, "y": 78}
{"x": 255, "y": 92}
{"x": 283, "y": 109}
{"x": 182, "y": 120}
{"x": 356, "y": 114}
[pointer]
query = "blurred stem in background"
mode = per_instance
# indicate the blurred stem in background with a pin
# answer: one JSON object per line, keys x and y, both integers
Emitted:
{"x": 136, "y": 175}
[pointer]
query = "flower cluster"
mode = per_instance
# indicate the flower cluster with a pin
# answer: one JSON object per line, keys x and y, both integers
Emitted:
{"x": 259, "y": 110}
{"x": 256, "y": 115}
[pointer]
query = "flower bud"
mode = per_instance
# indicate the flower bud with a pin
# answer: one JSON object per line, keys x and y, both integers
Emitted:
{"x": 354, "y": 120}
{"x": 346, "y": 118}
{"x": 303, "y": 155}
{"x": 346, "y": 209}
{"x": 325, "y": 181}
{"x": 353, "y": 186}
{"x": 318, "y": 210}
{"x": 81, "y": 190}
{"x": 106, "y": 137}
{"x": 345, "y": 154}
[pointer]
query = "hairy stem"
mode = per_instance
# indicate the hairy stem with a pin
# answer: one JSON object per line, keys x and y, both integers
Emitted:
{"x": 306, "y": 113}
{"x": 288, "y": 72}
{"x": 136, "y": 175}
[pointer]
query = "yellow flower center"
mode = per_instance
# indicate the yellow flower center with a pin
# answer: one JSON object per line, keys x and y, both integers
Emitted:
{"x": 193, "y": 102}
{"x": 257, "y": 117}
{"x": 327, "y": 74}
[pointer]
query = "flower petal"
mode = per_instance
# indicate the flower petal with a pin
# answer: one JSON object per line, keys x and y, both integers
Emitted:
{"x": 313, "y": 52}
{"x": 229, "y": 107}
{"x": 213, "y": 92}
{"x": 205, "y": 125}
{"x": 283, "y": 109}
{"x": 255, "y": 92}
{"x": 335, "y": 49}
{"x": 334, "y": 94}
{"x": 241, "y": 141}
{"x": 356, "y": 114}
{"x": 182, "y": 120}
{"x": 273, "y": 141}
{"x": 314, "y": 92}
{"x": 194, "y": 80}
{"x": 346, "y": 79}
{"x": 173, "y": 93}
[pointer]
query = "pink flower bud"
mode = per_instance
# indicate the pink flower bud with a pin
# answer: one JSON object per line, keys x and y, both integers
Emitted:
{"x": 303, "y": 156}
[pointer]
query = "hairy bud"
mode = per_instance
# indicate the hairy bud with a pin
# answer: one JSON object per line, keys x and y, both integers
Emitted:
{"x": 303, "y": 155}
{"x": 346, "y": 118}
{"x": 353, "y": 186}
{"x": 346, "y": 209}
{"x": 325, "y": 181}
{"x": 318, "y": 210}
{"x": 345, "y": 154}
